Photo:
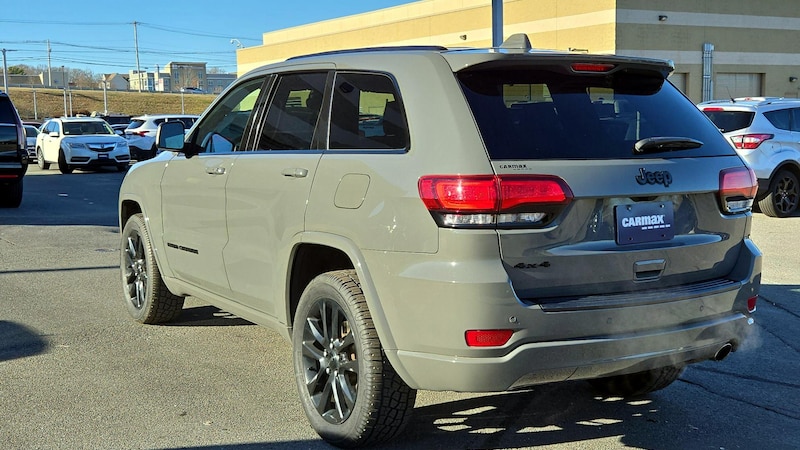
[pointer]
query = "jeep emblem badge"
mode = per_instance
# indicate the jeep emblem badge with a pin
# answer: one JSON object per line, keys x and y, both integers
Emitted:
{"x": 657, "y": 177}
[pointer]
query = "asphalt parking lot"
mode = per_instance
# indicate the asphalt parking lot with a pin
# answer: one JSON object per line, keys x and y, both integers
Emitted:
{"x": 76, "y": 372}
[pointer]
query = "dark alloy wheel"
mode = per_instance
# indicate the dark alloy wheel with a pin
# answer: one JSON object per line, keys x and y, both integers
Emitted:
{"x": 147, "y": 297}
{"x": 783, "y": 196}
{"x": 350, "y": 393}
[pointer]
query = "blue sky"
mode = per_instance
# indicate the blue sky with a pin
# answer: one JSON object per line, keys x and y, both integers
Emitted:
{"x": 100, "y": 36}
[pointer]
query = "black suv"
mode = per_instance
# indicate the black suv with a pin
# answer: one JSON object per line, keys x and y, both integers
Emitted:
{"x": 13, "y": 156}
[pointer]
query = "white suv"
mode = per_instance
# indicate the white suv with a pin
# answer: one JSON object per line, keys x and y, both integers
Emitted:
{"x": 766, "y": 133}
{"x": 141, "y": 132}
{"x": 80, "y": 142}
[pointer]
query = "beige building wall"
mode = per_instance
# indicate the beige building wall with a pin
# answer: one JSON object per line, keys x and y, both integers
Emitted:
{"x": 755, "y": 51}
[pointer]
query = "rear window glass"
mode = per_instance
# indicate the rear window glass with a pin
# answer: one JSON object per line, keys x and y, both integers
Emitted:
{"x": 136, "y": 123}
{"x": 730, "y": 120}
{"x": 8, "y": 137}
{"x": 7, "y": 113}
{"x": 524, "y": 113}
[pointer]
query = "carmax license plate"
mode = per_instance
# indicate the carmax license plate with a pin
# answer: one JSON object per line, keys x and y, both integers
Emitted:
{"x": 644, "y": 222}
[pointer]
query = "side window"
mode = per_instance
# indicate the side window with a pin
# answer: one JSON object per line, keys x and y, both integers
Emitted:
{"x": 795, "y": 119}
{"x": 779, "y": 118}
{"x": 222, "y": 129}
{"x": 366, "y": 113}
{"x": 293, "y": 112}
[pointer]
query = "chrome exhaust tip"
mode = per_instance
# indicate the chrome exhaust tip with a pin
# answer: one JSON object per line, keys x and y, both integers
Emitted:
{"x": 723, "y": 352}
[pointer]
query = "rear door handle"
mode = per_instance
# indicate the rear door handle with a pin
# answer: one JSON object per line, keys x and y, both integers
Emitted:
{"x": 215, "y": 170}
{"x": 296, "y": 172}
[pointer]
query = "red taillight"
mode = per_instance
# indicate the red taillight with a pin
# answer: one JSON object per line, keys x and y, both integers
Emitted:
{"x": 516, "y": 191}
{"x": 474, "y": 194}
{"x": 713, "y": 108}
{"x": 489, "y": 200}
{"x": 749, "y": 141}
{"x": 591, "y": 67}
{"x": 737, "y": 189}
{"x": 487, "y": 338}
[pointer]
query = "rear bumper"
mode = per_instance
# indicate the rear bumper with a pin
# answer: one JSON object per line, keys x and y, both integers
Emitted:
{"x": 590, "y": 357}
{"x": 427, "y": 305}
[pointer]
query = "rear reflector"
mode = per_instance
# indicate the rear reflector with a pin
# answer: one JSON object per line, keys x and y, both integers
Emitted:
{"x": 751, "y": 304}
{"x": 737, "y": 189}
{"x": 487, "y": 338}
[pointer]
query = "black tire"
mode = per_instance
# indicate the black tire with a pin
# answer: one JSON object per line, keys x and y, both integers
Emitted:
{"x": 783, "y": 196}
{"x": 351, "y": 394}
{"x": 639, "y": 383}
{"x": 44, "y": 165}
{"x": 147, "y": 297}
{"x": 11, "y": 195}
{"x": 62, "y": 163}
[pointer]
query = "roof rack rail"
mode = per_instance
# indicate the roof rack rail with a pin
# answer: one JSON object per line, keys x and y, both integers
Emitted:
{"x": 429, "y": 48}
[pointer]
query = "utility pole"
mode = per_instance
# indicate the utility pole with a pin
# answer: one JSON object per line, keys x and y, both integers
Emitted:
{"x": 5, "y": 72}
{"x": 136, "y": 47}
{"x": 49, "y": 68}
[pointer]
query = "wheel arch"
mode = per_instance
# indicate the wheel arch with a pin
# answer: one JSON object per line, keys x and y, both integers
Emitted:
{"x": 318, "y": 253}
{"x": 790, "y": 165}
{"x": 129, "y": 206}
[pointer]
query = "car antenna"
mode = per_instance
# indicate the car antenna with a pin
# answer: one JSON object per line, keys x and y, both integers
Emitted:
{"x": 729, "y": 94}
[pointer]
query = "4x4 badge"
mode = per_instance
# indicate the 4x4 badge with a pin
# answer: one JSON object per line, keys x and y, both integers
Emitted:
{"x": 657, "y": 177}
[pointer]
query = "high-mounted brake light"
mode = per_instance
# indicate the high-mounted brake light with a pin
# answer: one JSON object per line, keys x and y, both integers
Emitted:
{"x": 737, "y": 189}
{"x": 592, "y": 67}
{"x": 713, "y": 108}
{"x": 489, "y": 200}
{"x": 750, "y": 141}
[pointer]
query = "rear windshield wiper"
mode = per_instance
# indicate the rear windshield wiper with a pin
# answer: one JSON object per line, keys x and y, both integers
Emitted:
{"x": 665, "y": 144}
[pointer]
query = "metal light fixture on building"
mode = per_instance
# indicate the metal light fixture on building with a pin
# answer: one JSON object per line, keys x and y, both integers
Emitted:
{"x": 662, "y": 18}
{"x": 792, "y": 79}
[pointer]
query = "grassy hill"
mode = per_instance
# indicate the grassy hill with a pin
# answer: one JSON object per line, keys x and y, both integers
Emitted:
{"x": 50, "y": 102}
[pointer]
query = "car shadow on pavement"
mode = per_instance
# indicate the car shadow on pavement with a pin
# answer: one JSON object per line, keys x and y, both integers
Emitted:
{"x": 207, "y": 316}
{"x": 19, "y": 341}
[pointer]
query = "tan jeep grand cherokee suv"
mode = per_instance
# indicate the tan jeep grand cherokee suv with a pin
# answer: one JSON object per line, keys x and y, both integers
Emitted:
{"x": 468, "y": 220}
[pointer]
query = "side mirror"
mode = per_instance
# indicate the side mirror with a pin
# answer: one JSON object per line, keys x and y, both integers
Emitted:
{"x": 170, "y": 136}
